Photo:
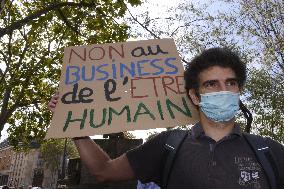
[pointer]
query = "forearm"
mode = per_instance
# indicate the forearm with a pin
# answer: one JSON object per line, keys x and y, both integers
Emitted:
{"x": 95, "y": 159}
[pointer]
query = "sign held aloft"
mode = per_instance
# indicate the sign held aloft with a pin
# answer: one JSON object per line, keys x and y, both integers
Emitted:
{"x": 109, "y": 88}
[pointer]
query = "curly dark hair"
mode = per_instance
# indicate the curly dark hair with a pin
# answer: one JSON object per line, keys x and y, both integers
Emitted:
{"x": 222, "y": 57}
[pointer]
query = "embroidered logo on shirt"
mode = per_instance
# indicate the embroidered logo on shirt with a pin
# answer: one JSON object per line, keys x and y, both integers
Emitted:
{"x": 249, "y": 172}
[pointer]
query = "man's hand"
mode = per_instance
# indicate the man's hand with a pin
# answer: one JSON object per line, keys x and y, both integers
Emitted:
{"x": 53, "y": 101}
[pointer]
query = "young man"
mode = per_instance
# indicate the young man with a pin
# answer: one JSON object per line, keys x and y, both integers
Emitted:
{"x": 214, "y": 154}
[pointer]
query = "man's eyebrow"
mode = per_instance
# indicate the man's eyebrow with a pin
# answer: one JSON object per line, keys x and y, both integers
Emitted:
{"x": 232, "y": 79}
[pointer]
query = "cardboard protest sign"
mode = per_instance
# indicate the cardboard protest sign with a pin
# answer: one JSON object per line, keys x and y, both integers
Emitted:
{"x": 109, "y": 88}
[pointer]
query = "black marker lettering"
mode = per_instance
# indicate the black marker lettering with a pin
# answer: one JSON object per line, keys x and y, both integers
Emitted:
{"x": 109, "y": 91}
{"x": 81, "y": 96}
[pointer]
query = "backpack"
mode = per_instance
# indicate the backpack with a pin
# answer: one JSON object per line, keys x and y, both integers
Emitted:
{"x": 257, "y": 143}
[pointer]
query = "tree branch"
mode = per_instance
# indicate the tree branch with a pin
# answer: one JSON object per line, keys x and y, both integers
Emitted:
{"x": 21, "y": 56}
{"x": 24, "y": 51}
{"x": 6, "y": 98}
{"x": 20, "y": 23}
{"x": 5, "y": 112}
{"x": 34, "y": 102}
{"x": 3, "y": 74}
{"x": 186, "y": 25}
{"x": 2, "y": 6}
{"x": 7, "y": 60}
{"x": 68, "y": 24}
{"x": 147, "y": 29}
{"x": 143, "y": 26}
{"x": 60, "y": 40}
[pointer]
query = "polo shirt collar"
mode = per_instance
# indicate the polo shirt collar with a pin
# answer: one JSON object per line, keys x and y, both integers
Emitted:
{"x": 198, "y": 131}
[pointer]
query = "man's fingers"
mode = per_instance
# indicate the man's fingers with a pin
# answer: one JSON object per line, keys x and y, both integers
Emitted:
{"x": 55, "y": 97}
{"x": 54, "y": 101}
{"x": 52, "y": 105}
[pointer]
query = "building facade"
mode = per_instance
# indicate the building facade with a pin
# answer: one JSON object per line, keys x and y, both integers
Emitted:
{"x": 20, "y": 169}
{"x": 26, "y": 169}
{"x": 5, "y": 162}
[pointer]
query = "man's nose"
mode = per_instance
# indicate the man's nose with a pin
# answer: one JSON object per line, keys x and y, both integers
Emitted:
{"x": 223, "y": 87}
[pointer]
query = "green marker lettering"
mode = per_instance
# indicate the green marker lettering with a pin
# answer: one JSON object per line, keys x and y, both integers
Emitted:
{"x": 92, "y": 118}
{"x": 160, "y": 110}
{"x": 138, "y": 112}
{"x": 170, "y": 104}
{"x": 112, "y": 111}
{"x": 69, "y": 120}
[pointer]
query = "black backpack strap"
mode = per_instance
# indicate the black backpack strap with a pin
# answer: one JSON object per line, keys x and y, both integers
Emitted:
{"x": 264, "y": 157}
{"x": 173, "y": 142}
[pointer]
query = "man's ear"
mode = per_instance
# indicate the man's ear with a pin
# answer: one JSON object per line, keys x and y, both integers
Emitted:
{"x": 194, "y": 98}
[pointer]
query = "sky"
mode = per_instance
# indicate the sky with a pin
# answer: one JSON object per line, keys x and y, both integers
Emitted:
{"x": 4, "y": 133}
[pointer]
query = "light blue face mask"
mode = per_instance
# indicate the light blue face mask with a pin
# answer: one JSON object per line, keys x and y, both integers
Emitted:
{"x": 220, "y": 106}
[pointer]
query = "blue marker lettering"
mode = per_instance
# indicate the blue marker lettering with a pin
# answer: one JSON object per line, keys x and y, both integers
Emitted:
{"x": 102, "y": 71}
{"x": 74, "y": 71}
{"x": 93, "y": 70}
{"x": 131, "y": 70}
{"x": 140, "y": 67}
{"x": 152, "y": 63}
{"x": 171, "y": 65}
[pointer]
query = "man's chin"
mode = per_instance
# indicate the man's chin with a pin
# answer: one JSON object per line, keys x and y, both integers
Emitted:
{"x": 203, "y": 116}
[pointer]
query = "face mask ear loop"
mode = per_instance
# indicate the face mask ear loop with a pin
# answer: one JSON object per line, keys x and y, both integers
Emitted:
{"x": 247, "y": 115}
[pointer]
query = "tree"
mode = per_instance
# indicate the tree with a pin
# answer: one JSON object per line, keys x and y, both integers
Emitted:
{"x": 52, "y": 152}
{"x": 33, "y": 35}
{"x": 266, "y": 100}
{"x": 264, "y": 24}
{"x": 260, "y": 25}
{"x": 252, "y": 28}
{"x": 255, "y": 29}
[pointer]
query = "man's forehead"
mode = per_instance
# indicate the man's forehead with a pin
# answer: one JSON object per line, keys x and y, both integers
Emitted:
{"x": 216, "y": 73}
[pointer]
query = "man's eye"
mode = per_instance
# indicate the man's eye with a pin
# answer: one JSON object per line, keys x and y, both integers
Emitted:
{"x": 210, "y": 84}
{"x": 232, "y": 83}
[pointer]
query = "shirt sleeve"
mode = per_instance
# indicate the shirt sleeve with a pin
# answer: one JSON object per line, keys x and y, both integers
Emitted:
{"x": 147, "y": 160}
